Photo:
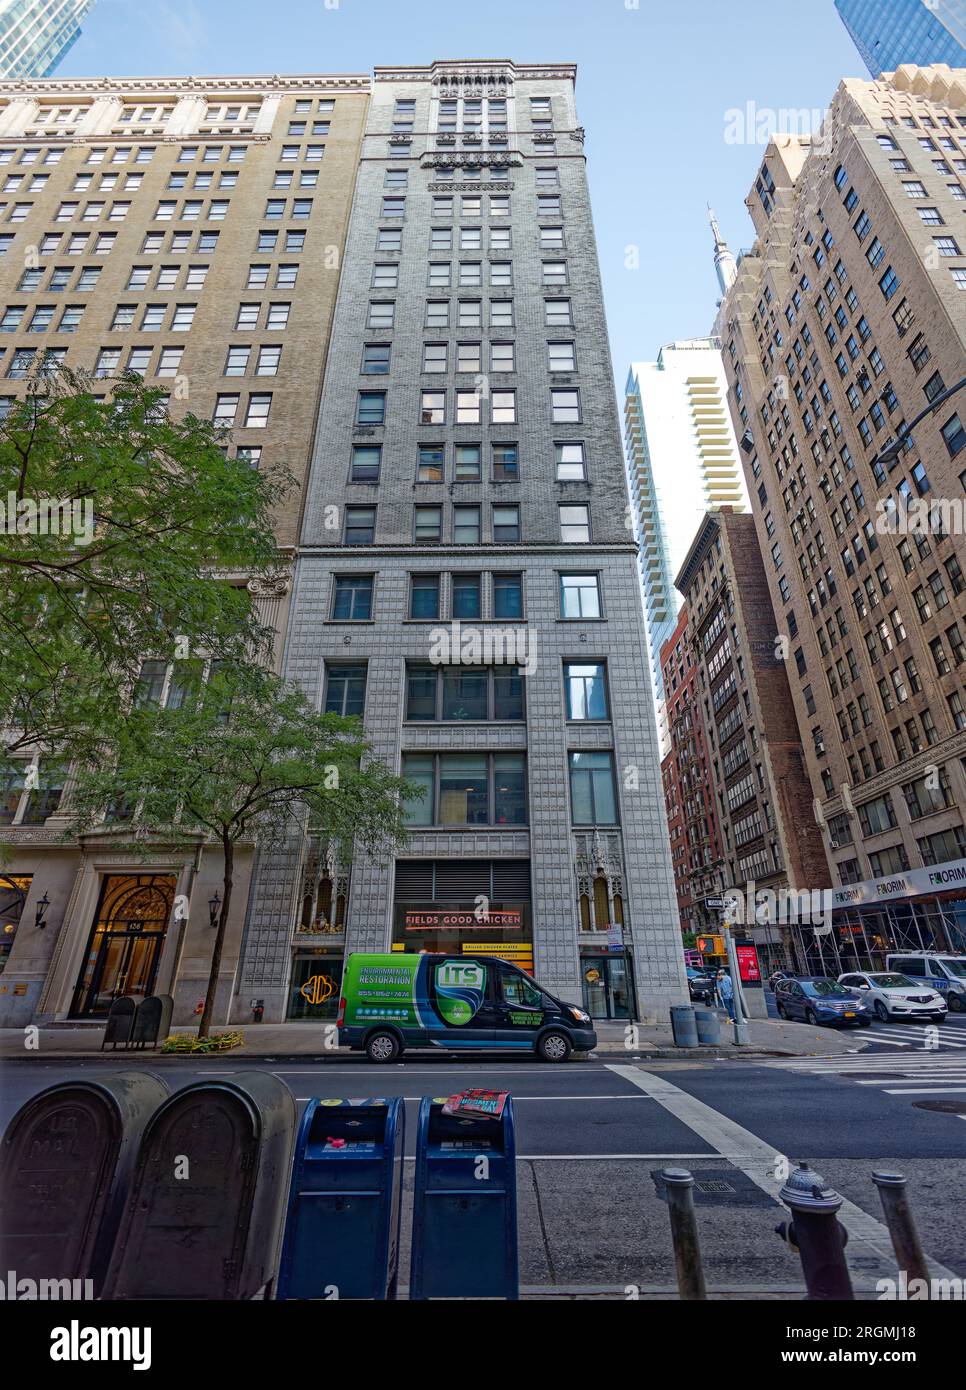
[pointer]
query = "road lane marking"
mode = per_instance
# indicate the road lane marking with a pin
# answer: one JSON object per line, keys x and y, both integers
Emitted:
{"x": 756, "y": 1159}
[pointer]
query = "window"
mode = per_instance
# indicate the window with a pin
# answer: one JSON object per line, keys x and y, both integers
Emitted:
{"x": 465, "y": 789}
{"x": 430, "y": 463}
{"x": 375, "y": 359}
{"x": 466, "y": 525}
{"x": 562, "y": 357}
{"x": 352, "y": 598}
{"x": 501, "y": 357}
{"x": 259, "y": 408}
{"x": 371, "y": 408}
{"x": 183, "y": 317}
{"x": 247, "y": 316}
{"x": 554, "y": 272}
{"x": 570, "y": 462}
{"x": 503, "y": 407}
{"x": 593, "y": 799}
{"x": 565, "y": 407}
{"x": 461, "y": 694}
{"x": 432, "y": 407}
{"x": 580, "y": 596}
{"x": 954, "y": 435}
{"x": 169, "y": 363}
{"x": 467, "y": 407}
{"x": 360, "y": 525}
{"x": 382, "y": 313}
{"x": 226, "y": 408}
{"x": 428, "y": 525}
{"x": 506, "y": 524}
{"x": 585, "y": 687}
{"x": 558, "y": 315}
{"x": 468, "y": 465}
{"x": 345, "y": 690}
{"x": 467, "y": 596}
{"x": 575, "y": 524}
{"x": 508, "y": 596}
{"x": 506, "y": 463}
{"x": 385, "y": 276}
{"x": 434, "y": 357}
{"x": 424, "y": 596}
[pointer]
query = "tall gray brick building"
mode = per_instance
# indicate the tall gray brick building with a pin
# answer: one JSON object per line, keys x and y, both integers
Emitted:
{"x": 467, "y": 579}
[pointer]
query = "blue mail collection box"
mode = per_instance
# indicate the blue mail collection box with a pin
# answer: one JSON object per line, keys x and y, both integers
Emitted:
{"x": 465, "y": 1206}
{"x": 342, "y": 1228}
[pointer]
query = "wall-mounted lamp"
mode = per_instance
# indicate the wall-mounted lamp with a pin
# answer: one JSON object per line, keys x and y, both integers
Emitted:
{"x": 214, "y": 904}
{"x": 42, "y": 907}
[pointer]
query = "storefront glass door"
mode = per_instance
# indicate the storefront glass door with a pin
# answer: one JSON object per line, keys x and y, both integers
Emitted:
{"x": 608, "y": 986}
{"x": 126, "y": 940}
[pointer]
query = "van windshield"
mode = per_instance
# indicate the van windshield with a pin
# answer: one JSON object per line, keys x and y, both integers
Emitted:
{"x": 956, "y": 965}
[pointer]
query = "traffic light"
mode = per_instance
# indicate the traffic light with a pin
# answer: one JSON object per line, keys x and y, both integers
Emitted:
{"x": 710, "y": 945}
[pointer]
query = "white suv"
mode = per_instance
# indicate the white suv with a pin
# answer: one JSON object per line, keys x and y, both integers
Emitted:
{"x": 892, "y": 995}
{"x": 937, "y": 970}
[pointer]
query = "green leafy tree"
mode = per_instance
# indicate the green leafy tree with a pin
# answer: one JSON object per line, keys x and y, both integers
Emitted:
{"x": 122, "y": 532}
{"x": 246, "y": 757}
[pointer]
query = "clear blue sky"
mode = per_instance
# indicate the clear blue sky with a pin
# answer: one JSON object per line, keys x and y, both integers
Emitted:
{"x": 653, "y": 88}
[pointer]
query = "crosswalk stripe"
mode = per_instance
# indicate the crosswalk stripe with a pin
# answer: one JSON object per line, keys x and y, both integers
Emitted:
{"x": 928, "y": 1091}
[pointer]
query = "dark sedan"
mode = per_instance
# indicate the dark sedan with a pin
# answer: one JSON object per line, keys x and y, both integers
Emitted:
{"x": 700, "y": 985}
{"x": 816, "y": 1000}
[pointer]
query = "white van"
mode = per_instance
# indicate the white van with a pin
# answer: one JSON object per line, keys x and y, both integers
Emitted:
{"x": 938, "y": 971}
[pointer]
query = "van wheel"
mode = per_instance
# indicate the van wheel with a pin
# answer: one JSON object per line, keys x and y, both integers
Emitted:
{"x": 554, "y": 1047}
{"x": 957, "y": 1003}
{"x": 382, "y": 1047}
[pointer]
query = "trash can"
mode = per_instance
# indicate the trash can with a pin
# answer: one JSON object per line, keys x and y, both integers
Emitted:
{"x": 342, "y": 1226}
{"x": 464, "y": 1206}
{"x": 708, "y": 1026}
{"x": 683, "y": 1028}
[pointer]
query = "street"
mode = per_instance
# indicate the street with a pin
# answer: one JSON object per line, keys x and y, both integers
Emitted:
{"x": 592, "y": 1136}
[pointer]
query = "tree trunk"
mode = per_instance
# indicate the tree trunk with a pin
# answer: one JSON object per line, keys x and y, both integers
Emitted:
{"x": 229, "y": 858}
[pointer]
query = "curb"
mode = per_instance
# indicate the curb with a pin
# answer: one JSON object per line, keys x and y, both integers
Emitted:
{"x": 661, "y": 1054}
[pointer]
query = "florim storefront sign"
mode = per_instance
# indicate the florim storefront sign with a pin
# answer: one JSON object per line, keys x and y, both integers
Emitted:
{"x": 448, "y": 919}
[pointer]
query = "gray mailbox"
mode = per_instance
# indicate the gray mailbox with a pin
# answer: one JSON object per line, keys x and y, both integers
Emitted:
{"x": 120, "y": 1021}
{"x": 65, "y": 1166}
{"x": 152, "y": 1020}
{"x": 204, "y": 1212}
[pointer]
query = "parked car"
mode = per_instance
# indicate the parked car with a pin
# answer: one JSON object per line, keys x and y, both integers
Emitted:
{"x": 815, "y": 999}
{"x": 700, "y": 985}
{"x": 891, "y": 995}
{"x": 937, "y": 970}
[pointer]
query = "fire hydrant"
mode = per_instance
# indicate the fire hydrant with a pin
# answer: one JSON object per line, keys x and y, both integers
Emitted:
{"x": 816, "y": 1234}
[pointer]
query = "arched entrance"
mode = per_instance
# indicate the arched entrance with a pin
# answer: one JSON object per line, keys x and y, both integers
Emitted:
{"x": 125, "y": 943}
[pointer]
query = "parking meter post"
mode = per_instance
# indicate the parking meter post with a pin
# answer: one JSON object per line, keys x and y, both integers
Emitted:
{"x": 678, "y": 1184}
{"x": 742, "y": 1036}
{"x": 902, "y": 1228}
{"x": 817, "y": 1234}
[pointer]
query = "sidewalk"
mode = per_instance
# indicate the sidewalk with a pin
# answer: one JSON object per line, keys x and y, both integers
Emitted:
{"x": 284, "y": 1041}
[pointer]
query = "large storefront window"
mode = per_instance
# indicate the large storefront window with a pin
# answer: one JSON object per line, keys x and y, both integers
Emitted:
{"x": 125, "y": 942}
{"x": 468, "y": 907}
{"x": 13, "y": 894}
{"x": 315, "y": 988}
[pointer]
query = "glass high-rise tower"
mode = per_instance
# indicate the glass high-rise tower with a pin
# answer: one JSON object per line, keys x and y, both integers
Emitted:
{"x": 888, "y": 33}
{"x": 36, "y": 34}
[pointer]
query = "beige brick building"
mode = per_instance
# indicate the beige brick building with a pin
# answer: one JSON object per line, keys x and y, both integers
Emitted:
{"x": 190, "y": 229}
{"x": 846, "y": 321}
{"x": 768, "y": 841}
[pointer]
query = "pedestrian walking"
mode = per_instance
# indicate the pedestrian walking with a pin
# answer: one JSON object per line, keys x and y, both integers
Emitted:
{"x": 726, "y": 992}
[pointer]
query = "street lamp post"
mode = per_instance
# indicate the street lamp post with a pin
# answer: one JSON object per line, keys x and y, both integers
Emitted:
{"x": 892, "y": 451}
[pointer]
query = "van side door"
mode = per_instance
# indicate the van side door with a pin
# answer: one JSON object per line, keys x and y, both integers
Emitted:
{"x": 520, "y": 1008}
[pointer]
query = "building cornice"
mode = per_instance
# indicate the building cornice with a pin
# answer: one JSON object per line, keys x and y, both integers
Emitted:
{"x": 273, "y": 82}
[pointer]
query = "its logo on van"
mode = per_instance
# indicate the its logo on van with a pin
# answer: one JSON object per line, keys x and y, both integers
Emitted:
{"x": 459, "y": 990}
{"x": 453, "y": 972}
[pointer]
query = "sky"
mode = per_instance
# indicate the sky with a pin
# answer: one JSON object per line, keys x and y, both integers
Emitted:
{"x": 659, "y": 86}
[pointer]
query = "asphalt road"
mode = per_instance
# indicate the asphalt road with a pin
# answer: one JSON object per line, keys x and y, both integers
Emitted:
{"x": 593, "y": 1135}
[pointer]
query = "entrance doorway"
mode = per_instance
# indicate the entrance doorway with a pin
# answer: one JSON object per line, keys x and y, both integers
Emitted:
{"x": 608, "y": 986}
{"x": 125, "y": 943}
